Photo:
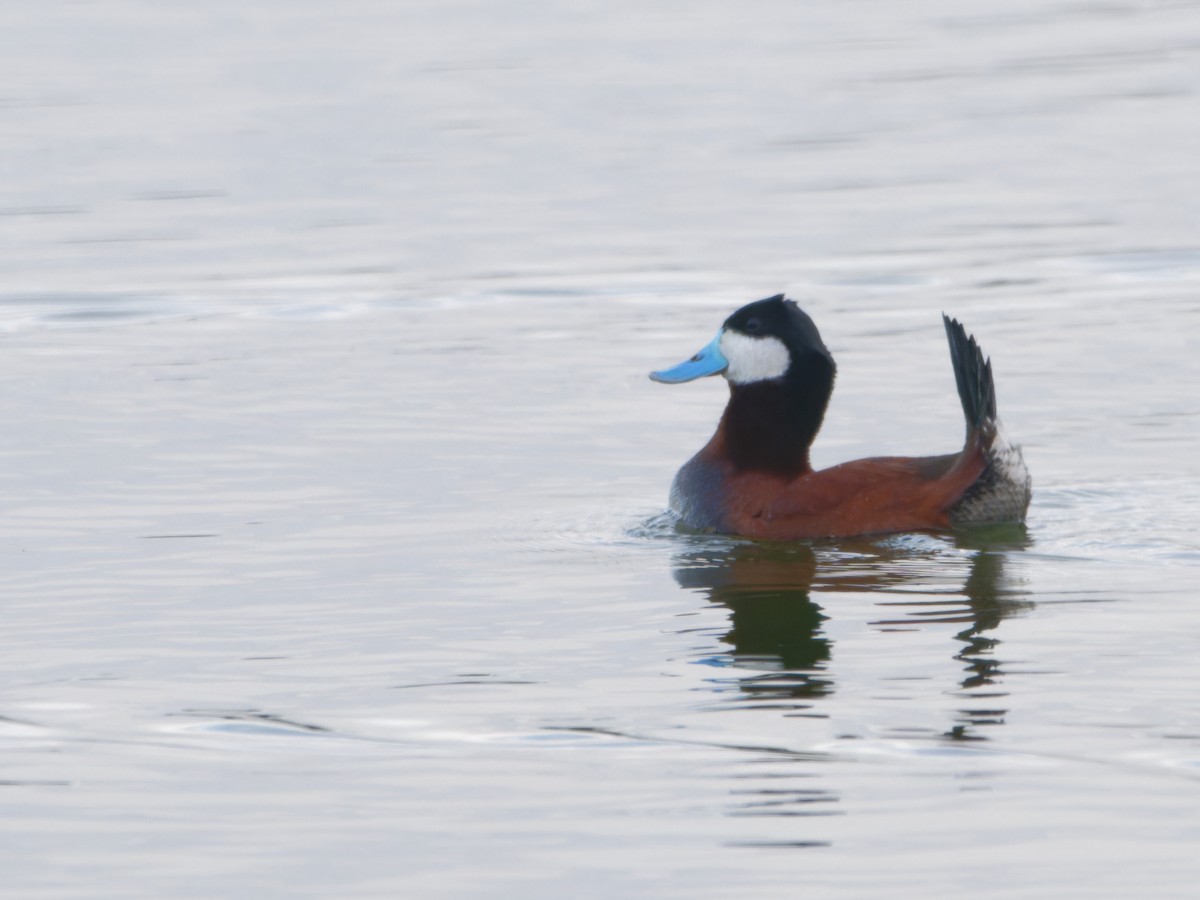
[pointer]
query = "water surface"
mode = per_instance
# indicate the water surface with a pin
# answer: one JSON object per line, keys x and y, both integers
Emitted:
{"x": 332, "y": 555}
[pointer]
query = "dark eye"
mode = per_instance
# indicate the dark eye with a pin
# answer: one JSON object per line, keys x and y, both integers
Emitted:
{"x": 752, "y": 326}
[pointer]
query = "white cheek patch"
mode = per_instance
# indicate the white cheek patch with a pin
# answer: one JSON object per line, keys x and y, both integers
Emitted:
{"x": 754, "y": 359}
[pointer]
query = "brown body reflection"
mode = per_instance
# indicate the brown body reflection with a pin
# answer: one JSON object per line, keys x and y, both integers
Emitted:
{"x": 776, "y": 627}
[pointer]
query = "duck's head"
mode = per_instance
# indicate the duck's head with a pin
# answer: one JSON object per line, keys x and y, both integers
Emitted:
{"x": 768, "y": 340}
{"x": 780, "y": 376}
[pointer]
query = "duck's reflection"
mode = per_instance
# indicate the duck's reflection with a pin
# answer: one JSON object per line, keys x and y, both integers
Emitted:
{"x": 776, "y": 627}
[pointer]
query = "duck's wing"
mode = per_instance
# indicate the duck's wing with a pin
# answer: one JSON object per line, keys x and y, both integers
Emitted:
{"x": 867, "y": 496}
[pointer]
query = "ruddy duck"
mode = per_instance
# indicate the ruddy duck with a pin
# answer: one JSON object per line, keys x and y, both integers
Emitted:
{"x": 753, "y": 478}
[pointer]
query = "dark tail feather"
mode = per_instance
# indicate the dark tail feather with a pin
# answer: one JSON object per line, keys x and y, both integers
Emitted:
{"x": 1001, "y": 492}
{"x": 973, "y": 374}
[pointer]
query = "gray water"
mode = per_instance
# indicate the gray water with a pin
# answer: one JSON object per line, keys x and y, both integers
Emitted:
{"x": 332, "y": 551}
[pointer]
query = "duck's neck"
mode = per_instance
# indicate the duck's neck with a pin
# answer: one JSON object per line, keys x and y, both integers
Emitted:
{"x": 769, "y": 426}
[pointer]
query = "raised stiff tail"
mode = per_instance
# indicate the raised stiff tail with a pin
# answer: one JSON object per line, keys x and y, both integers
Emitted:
{"x": 1003, "y": 489}
{"x": 973, "y": 374}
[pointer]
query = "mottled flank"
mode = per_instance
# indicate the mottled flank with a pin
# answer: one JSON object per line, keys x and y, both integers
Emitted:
{"x": 1002, "y": 493}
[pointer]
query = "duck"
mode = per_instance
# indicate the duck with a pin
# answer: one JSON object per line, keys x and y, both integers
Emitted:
{"x": 754, "y": 477}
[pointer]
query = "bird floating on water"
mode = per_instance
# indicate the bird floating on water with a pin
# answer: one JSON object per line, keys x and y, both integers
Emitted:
{"x": 753, "y": 478}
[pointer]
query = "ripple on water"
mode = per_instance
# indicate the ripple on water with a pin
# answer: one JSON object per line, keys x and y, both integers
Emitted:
{"x": 245, "y": 722}
{"x": 600, "y": 531}
{"x": 1126, "y": 522}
